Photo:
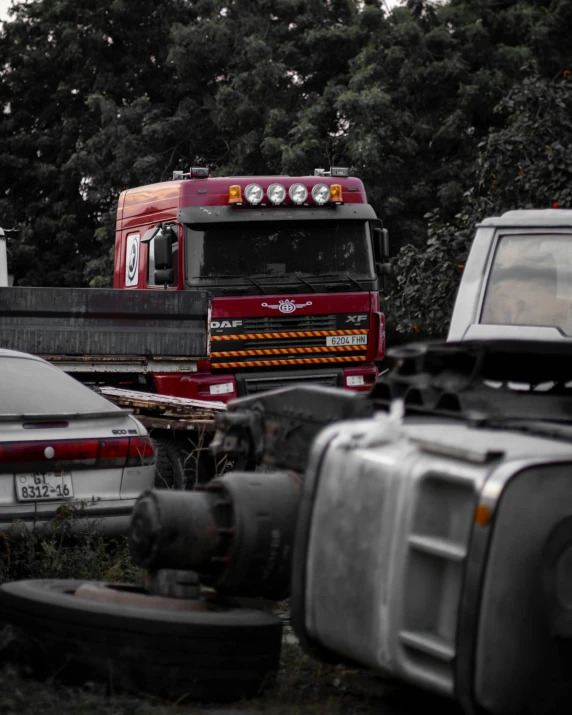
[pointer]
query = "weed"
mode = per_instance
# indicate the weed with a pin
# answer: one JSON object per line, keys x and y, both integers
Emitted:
{"x": 66, "y": 547}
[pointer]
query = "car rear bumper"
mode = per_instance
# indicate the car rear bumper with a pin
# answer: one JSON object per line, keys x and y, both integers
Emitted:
{"x": 108, "y": 518}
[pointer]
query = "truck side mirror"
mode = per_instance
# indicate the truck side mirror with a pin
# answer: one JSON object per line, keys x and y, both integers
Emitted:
{"x": 385, "y": 243}
{"x": 380, "y": 243}
{"x": 163, "y": 247}
{"x": 164, "y": 275}
{"x": 383, "y": 270}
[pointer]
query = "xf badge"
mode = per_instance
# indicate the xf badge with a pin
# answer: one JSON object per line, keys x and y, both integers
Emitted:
{"x": 355, "y": 319}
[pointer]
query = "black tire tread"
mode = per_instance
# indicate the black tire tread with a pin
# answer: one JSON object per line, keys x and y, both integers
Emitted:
{"x": 225, "y": 655}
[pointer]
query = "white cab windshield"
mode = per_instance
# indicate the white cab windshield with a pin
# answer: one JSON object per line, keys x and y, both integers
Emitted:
{"x": 530, "y": 282}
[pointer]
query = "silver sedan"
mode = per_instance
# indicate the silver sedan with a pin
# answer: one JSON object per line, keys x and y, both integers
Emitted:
{"x": 62, "y": 445}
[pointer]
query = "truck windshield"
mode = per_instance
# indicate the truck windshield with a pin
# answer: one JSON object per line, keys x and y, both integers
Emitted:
{"x": 271, "y": 251}
{"x": 531, "y": 282}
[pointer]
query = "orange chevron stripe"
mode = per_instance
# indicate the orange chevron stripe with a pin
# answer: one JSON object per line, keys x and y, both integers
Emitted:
{"x": 286, "y": 351}
{"x": 307, "y": 333}
{"x": 293, "y": 361}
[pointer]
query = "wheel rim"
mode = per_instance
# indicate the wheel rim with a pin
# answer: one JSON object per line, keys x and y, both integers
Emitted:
{"x": 135, "y": 596}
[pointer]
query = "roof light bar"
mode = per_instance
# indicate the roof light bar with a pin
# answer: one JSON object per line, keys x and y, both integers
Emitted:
{"x": 277, "y": 194}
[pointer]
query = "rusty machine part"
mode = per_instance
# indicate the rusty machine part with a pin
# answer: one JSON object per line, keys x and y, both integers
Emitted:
{"x": 236, "y": 533}
{"x": 277, "y": 428}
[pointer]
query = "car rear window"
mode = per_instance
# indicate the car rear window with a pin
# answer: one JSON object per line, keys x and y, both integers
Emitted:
{"x": 32, "y": 386}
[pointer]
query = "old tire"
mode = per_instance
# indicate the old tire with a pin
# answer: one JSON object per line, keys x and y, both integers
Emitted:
{"x": 220, "y": 652}
{"x": 171, "y": 468}
{"x": 176, "y": 467}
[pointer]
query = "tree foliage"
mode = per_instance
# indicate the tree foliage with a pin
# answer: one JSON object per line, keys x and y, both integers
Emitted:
{"x": 525, "y": 163}
{"x": 449, "y": 112}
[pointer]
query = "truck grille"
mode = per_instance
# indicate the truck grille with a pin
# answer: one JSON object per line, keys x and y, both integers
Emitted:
{"x": 280, "y": 341}
{"x": 276, "y": 323}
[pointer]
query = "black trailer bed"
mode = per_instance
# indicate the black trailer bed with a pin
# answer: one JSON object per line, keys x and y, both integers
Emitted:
{"x": 105, "y": 322}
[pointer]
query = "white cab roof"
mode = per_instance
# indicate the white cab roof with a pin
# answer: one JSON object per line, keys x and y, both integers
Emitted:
{"x": 531, "y": 218}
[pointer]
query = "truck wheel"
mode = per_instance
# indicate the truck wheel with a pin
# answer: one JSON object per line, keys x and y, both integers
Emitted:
{"x": 200, "y": 649}
{"x": 171, "y": 468}
{"x": 179, "y": 466}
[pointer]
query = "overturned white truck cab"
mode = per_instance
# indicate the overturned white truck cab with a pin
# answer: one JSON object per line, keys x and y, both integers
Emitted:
{"x": 435, "y": 543}
{"x": 423, "y": 529}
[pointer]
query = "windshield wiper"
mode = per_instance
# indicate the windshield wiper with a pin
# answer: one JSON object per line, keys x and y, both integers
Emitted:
{"x": 295, "y": 275}
{"x": 341, "y": 275}
{"x": 303, "y": 280}
{"x": 244, "y": 277}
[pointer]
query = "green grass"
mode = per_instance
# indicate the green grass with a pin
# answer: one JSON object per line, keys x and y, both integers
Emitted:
{"x": 60, "y": 552}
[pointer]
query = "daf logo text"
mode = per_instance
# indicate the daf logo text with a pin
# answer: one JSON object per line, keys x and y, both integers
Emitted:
{"x": 226, "y": 323}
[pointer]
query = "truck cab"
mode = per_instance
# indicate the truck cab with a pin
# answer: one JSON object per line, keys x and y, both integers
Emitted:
{"x": 294, "y": 265}
{"x": 517, "y": 280}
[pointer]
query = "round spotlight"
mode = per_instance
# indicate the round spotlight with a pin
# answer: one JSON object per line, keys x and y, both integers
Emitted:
{"x": 253, "y": 194}
{"x": 321, "y": 193}
{"x": 298, "y": 193}
{"x": 276, "y": 193}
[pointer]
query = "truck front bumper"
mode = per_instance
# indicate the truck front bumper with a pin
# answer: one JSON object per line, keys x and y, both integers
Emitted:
{"x": 360, "y": 378}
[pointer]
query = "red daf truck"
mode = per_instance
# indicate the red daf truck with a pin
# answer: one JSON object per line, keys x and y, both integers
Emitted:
{"x": 294, "y": 266}
{"x": 229, "y": 287}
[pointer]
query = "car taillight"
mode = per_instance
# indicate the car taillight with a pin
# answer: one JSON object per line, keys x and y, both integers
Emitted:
{"x": 140, "y": 451}
{"x": 50, "y": 455}
{"x": 112, "y": 452}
